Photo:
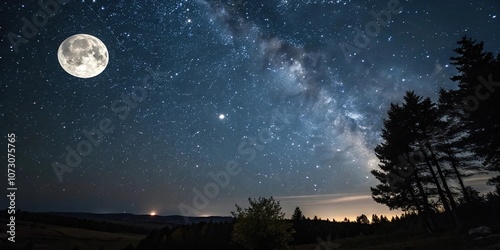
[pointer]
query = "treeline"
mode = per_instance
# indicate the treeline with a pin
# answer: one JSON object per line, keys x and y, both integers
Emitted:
{"x": 61, "y": 220}
{"x": 429, "y": 148}
{"x": 306, "y": 231}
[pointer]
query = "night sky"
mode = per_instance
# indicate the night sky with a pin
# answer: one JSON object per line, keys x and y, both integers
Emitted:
{"x": 284, "y": 96}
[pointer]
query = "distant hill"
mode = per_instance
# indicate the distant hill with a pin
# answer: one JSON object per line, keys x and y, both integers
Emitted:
{"x": 148, "y": 221}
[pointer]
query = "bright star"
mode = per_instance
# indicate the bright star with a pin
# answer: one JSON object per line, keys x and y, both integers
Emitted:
{"x": 222, "y": 116}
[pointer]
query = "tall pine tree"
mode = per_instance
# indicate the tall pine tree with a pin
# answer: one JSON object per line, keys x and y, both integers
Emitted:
{"x": 478, "y": 96}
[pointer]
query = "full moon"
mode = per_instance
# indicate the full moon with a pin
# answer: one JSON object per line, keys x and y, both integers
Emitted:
{"x": 83, "y": 56}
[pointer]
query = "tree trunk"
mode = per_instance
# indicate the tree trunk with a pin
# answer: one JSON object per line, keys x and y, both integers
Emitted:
{"x": 446, "y": 205}
{"x": 445, "y": 184}
{"x": 425, "y": 200}
{"x": 443, "y": 179}
{"x": 459, "y": 176}
{"x": 429, "y": 226}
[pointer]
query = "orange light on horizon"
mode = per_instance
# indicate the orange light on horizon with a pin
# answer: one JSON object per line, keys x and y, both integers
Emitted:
{"x": 152, "y": 213}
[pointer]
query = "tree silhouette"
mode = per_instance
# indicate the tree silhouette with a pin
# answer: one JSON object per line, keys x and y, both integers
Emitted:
{"x": 297, "y": 215}
{"x": 479, "y": 95}
{"x": 261, "y": 225}
{"x": 362, "y": 219}
{"x": 428, "y": 148}
{"x": 403, "y": 173}
{"x": 413, "y": 167}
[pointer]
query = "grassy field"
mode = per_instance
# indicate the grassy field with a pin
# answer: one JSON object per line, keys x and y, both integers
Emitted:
{"x": 407, "y": 241}
{"x": 51, "y": 237}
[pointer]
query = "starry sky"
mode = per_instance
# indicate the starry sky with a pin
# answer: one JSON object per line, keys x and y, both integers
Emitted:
{"x": 286, "y": 98}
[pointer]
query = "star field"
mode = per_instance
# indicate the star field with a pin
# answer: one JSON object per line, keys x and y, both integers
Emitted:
{"x": 225, "y": 71}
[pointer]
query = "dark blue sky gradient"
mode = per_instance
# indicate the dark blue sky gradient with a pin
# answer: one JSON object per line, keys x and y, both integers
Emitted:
{"x": 301, "y": 116}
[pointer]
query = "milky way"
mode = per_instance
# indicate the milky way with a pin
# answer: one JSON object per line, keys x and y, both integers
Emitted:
{"x": 225, "y": 75}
